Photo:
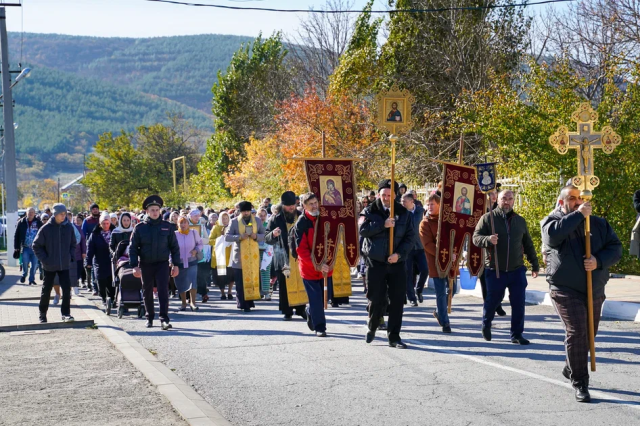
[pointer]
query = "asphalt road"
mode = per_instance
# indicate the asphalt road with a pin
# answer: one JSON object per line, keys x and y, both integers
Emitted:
{"x": 259, "y": 370}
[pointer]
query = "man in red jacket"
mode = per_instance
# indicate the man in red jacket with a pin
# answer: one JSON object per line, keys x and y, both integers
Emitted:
{"x": 301, "y": 243}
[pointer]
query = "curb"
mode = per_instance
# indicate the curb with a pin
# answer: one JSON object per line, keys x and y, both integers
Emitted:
{"x": 46, "y": 326}
{"x": 187, "y": 402}
{"x": 624, "y": 311}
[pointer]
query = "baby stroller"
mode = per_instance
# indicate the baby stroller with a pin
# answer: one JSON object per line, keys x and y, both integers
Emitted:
{"x": 128, "y": 287}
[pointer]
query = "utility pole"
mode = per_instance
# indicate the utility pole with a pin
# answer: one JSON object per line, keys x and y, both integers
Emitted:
{"x": 10, "y": 178}
{"x": 58, "y": 189}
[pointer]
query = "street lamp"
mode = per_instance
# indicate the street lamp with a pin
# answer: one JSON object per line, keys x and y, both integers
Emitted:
{"x": 25, "y": 73}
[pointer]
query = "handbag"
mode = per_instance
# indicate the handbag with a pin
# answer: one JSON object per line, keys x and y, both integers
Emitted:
{"x": 199, "y": 253}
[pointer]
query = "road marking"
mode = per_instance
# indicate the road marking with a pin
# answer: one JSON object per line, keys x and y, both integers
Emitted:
{"x": 479, "y": 360}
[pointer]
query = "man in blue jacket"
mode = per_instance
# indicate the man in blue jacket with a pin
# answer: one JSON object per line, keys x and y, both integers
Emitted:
{"x": 564, "y": 236}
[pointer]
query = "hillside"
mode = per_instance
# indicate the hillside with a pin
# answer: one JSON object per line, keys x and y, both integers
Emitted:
{"x": 81, "y": 87}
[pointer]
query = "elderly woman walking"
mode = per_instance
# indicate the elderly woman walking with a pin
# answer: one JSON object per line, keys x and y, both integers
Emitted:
{"x": 187, "y": 280}
{"x": 99, "y": 258}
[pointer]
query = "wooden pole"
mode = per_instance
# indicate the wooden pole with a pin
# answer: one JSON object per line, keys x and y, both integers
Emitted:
{"x": 393, "y": 139}
{"x": 455, "y": 265}
{"x": 326, "y": 279}
{"x": 592, "y": 337}
{"x": 493, "y": 231}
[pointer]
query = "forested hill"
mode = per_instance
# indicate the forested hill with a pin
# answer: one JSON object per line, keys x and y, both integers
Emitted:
{"x": 81, "y": 87}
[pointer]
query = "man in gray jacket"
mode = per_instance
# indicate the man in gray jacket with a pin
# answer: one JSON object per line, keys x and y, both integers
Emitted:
{"x": 512, "y": 240}
{"x": 55, "y": 246}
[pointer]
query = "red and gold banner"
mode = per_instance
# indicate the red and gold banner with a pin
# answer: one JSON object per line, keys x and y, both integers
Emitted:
{"x": 334, "y": 183}
{"x": 461, "y": 207}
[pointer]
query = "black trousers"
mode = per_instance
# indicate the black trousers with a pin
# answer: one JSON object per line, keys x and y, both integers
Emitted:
{"x": 156, "y": 275}
{"x": 47, "y": 285}
{"x": 386, "y": 279}
{"x": 283, "y": 301}
{"x": 106, "y": 288}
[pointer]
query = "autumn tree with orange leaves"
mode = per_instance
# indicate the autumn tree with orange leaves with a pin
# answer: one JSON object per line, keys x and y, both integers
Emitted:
{"x": 270, "y": 167}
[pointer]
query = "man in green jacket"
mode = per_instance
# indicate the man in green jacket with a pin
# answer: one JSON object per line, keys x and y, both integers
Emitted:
{"x": 512, "y": 240}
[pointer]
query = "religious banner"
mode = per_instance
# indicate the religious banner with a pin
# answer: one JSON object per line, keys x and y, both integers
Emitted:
{"x": 486, "y": 175}
{"x": 333, "y": 182}
{"x": 461, "y": 207}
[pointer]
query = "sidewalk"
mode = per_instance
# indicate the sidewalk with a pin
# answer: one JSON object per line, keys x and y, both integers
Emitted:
{"x": 105, "y": 378}
{"x": 622, "y": 303}
{"x": 19, "y": 307}
{"x": 75, "y": 377}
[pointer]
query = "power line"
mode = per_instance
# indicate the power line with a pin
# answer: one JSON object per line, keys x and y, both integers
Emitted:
{"x": 433, "y": 10}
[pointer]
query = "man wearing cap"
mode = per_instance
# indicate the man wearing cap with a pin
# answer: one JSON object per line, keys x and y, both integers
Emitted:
{"x": 245, "y": 232}
{"x": 277, "y": 235}
{"x": 153, "y": 242}
{"x": 55, "y": 246}
{"x": 386, "y": 274}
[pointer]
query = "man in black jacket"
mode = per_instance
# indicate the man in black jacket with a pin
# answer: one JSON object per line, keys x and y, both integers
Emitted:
{"x": 26, "y": 232}
{"x": 564, "y": 236}
{"x": 513, "y": 240}
{"x": 386, "y": 274}
{"x": 153, "y": 242}
{"x": 55, "y": 246}
{"x": 277, "y": 234}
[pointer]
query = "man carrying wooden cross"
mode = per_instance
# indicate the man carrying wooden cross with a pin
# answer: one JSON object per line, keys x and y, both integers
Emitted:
{"x": 563, "y": 234}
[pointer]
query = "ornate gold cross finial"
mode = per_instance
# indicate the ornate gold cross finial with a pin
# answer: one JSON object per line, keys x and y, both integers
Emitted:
{"x": 584, "y": 141}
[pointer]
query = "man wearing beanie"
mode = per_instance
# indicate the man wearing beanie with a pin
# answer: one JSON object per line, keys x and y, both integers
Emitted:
{"x": 277, "y": 235}
{"x": 55, "y": 246}
{"x": 386, "y": 274}
{"x": 245, "y": 232}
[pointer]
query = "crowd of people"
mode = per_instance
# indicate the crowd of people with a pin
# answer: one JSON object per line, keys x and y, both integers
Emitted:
{"x": 184, "y": 252}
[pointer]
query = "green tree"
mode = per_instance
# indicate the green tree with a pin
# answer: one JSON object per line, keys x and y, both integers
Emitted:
{"x": 244, "y": 100}
{"x": 119, "y": 176}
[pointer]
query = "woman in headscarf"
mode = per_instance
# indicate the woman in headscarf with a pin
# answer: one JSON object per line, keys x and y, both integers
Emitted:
{"x": 121, "y": 233}
{"x": 221, "y": 264}
{"x": 198, "y": 224}
{"x": 114, "y": 219}
{"x": 213, "y": 218}
{"x": 173, "y": 218}
{"x": 99, "y": 258}
{"x": 187, "y": 280}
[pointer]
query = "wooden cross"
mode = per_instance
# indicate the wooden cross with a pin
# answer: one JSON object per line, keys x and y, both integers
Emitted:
{"x": 584, "y": 141}
{"x": 444, "y": 253}
{"x": 351, "y": 248}
{"x": 475, "y": 258}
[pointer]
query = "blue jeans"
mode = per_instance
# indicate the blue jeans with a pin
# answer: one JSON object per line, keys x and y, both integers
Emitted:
{"x": 28, "y": 256}
{"x": 442, "y": 302}
{"x": 315, "y": 310}
{"x": 516, "y": 282}
{"x": 420, "y": 260}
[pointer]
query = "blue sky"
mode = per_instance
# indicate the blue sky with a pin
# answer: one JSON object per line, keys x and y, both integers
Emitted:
{"x": 139, "y": 18}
